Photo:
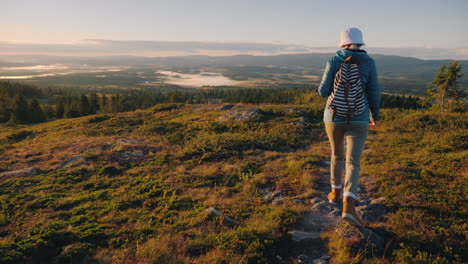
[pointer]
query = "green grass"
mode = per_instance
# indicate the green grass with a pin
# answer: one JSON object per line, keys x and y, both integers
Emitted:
{"x": 134, "y": 187}
{"x": 141, "y": 183}
{"x": 419, "y": 160}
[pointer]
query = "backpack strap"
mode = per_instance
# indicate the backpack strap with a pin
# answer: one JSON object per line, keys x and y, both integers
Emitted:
{"x": 350, "y": 60}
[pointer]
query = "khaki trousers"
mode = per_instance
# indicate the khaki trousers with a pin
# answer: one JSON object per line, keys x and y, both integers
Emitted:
{"x": 355, "y": 134}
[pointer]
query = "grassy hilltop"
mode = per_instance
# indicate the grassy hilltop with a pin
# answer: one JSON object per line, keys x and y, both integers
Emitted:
{"x": 135, "y": 187}
{"x": 120, "y": 186}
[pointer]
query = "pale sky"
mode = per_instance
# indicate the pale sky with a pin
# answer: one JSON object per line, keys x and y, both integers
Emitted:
{"x": 312, "y": 23}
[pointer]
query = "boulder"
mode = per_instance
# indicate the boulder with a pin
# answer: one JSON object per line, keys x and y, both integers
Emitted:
{"x": 215, "y": 212}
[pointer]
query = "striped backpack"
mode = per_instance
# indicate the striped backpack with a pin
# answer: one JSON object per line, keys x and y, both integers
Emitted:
{"x": 347, "y": 97}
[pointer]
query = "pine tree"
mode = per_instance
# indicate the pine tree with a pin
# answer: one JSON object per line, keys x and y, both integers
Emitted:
{"x": 174, "y": 96}
{"x": 4, "y": 112}
{"x": 72, "y": 109}
{"x": 83, "y": 105}
{"x": 445, "y": 84}
{"x": 13, "y": 120}
{"x": 93, "y": 103}
{"x": 20, "y": 109}
{"x": 60, "y": 108}
{"x": 114, "y": 103}
{"x": 35, "y": 112}
{"x": 104, "y": 106}
{"x": 48, "y": 111}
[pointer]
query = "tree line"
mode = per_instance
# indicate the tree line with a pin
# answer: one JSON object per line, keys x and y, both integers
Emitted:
{"x": 19, "y": 103}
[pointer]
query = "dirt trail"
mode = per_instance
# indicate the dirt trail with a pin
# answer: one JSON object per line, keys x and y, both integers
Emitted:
{"x": 305, "y": 244}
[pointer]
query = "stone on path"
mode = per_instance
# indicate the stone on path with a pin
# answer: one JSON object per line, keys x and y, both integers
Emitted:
{"x": 300, "y": 236}
{"x": 378, "y": 200}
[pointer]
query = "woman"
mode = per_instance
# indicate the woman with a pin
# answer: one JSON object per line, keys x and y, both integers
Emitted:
{"x": 354, "y": 129}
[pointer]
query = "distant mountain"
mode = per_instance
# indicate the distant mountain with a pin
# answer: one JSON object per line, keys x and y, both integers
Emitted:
{"x": 397, "y": 74}
{"x": 385, "y": 63}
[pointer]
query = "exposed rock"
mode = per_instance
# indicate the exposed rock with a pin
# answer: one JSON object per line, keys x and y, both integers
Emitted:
{"x": 278, "y": 200}
{"x": 372, "y": 212}
{"x": 73, "y": 162}
{"x": 298, "y": 201}
{"x": 324, "y": 207}
{"x": 300, "y": 236}
{"x": 22, "y": 172}
{"x": 152, "y": 149}
{"x": 313, "y": 221}
{"x": 129, "y": 141}
{"x": 126, "y": 115}
{"x": 378, "y": 200}
{"x": 226, "y": 107}
{"x": 324, "y": 216}
{"x": 215, "y": 212}
{"x": 319, "y": 261}
{"x": 302, "y": 122}
{"x": 291, "y": 110}
{"x": 270, "y": 195}
{"x": 375, "y": 239}
{"x": 137, "y": 154}
{"x": 302, "y": 258}
{"x": 242, "y": 115}
{"x": 363, "y": 237}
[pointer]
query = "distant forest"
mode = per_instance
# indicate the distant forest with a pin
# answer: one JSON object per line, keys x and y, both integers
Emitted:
{"x": 19, "y": 103}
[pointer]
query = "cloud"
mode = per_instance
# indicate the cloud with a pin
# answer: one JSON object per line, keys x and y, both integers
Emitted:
{"x": 137, "y": 47}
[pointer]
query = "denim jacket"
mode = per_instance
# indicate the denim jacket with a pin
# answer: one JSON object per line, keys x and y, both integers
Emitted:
{"x": 369, "y": 82}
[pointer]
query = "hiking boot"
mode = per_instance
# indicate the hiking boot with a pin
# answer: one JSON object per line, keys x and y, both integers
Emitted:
{"x": 334, "y": 196}
{"x": 349, "y": 212}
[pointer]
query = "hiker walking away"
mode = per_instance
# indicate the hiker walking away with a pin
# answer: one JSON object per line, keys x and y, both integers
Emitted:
{"x": 351, "y": 85}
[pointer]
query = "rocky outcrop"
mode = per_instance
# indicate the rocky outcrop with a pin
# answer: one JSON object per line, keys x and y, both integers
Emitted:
{"x": 127, "y": 150}
{"x": 226, "y": 107}
{"x": 294, "y": 111}
{"x": 21, "y": 172}
{"x": 243, "y": 115}
{"x": 75, "y": 161}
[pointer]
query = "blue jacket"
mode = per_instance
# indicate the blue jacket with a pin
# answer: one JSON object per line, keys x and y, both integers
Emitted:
{"x": 369, "y": 82}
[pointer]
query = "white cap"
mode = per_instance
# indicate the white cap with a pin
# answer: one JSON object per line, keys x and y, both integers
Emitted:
{"x": 351, "y": 36}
